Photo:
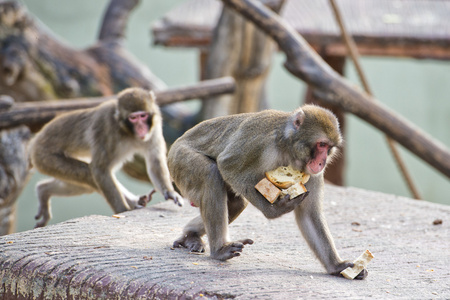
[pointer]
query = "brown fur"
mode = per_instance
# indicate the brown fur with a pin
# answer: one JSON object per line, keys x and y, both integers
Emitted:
{"x": 82, "y": 149}
{"x": 217, "y": 164}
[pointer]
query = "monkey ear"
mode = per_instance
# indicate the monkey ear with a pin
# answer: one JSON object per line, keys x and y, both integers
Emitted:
{"x": 152, "y": 95}
{"x": 299, "y": 117}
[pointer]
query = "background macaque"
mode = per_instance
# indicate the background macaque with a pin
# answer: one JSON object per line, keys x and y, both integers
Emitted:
{"x": 217, "y": 164}
{"x": 81, "y": 150}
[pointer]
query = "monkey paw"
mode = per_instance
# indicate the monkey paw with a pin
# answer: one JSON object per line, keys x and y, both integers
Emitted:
{"x": 285, "y": 205}
{"x": 231, "y": 249}
{"x": 45, "y": 214}
{"x": 192, "y": 241}
{"x": 145, "y": 199}
{"x": 362, "y": 275}
{"x": 177, "y": 199}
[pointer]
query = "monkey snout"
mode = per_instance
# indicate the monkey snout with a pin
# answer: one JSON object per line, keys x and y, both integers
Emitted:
{"x": 315, "y": 166}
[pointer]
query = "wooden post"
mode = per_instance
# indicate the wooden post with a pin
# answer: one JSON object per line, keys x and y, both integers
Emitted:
{"x": 241, "y": 50}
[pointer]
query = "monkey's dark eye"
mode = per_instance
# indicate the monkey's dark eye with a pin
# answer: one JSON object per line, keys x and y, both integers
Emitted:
{"x": 138, "y": 117}
{"x": 323, "y": 145}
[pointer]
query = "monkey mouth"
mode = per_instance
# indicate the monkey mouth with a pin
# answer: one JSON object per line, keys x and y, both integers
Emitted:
{"x": 315, "y": 166}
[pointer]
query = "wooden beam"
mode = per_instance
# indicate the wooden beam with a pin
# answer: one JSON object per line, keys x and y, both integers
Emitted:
{"x": 39, "y": 112}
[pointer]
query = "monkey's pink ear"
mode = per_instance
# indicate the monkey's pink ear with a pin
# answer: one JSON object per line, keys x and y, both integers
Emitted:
{"x": 299, "y": 117}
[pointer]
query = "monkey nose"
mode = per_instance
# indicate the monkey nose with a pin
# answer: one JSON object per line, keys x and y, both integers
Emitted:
{"x": 315, "y": 166}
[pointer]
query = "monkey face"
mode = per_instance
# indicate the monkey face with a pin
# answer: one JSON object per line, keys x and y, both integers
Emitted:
{"x": 140, "y": 123}
{"x": 319, "y": 157}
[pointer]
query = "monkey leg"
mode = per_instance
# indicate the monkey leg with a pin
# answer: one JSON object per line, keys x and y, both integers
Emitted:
{"x": 195, "y": 229}
{"x": 236, "y": 205}
{"x": 215, "y": 215}
{"x": 63, "y": 167}
{"x": 54, "y": 187}
{"x": 133, "y": 201}
{"x": 192, "y": 236}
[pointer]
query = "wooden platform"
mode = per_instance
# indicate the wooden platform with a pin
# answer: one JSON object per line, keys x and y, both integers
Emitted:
{"x": 412, "y": 28}
{"x": 102, "y": 257}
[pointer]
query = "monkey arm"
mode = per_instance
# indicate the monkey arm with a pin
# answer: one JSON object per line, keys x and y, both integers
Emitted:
{"x": 278, "y": 208}
{"x": 243, "y": 181}
{"x": 158, "y": 173}
{"x": 314, "y": 227}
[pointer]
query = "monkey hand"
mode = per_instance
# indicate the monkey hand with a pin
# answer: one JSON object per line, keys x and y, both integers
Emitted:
{"x": 231, "y": 249}
{"x": 177, "y": 199}
{"x": 344, "y": 265}
{"x": 285, "y": 205}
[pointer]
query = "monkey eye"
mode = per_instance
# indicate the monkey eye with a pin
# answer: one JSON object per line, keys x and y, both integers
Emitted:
{"x": 323, "y": 145}
{"x": 138, "y": 117}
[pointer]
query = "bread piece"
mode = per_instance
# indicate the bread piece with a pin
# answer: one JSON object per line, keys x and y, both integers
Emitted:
{"x": 268, "y": 190}
{"x": 284, "y": 177}
{"x": 360, "y": 263}
{"x": 294, "y": 191}
{"x": 305, "y": 178}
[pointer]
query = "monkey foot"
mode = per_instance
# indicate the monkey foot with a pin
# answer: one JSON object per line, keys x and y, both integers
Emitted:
{"x": 45, "y": 215}
{"x": 41, "y": 223}
{"x": 192, "y": 241}
{"x": 145, "y": 199}
{"x": 231, "y": 249}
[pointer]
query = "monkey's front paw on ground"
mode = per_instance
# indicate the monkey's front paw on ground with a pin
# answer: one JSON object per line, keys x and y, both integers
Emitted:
{"x": 192, "y": 242}
{"x": 231, "y": 249}
{"x": 362, "y": 275}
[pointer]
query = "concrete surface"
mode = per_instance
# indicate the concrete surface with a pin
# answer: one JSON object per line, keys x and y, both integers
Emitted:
{"x": 102, "y": 257}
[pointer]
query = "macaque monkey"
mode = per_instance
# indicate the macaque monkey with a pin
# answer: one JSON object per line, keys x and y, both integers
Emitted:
{"x": 82, "y": 149}
{"x": 217, "y": 163}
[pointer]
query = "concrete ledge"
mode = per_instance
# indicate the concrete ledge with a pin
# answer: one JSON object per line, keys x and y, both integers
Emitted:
{"x": 101, "y": 257}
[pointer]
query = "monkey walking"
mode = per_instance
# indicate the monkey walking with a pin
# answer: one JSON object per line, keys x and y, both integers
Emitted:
{"x": 106, "y": 136}
{"x": 217, "y": 163}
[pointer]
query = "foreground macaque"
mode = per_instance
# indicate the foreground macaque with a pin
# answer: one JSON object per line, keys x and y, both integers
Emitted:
{"x": 217, "y": 164}
{"x": 82, "y": 149}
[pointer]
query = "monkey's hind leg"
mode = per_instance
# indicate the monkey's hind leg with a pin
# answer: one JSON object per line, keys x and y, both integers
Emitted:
{"x": 192, "y": 236}
{"x": 53, "y": 187}
{"x": 195, "y": 229}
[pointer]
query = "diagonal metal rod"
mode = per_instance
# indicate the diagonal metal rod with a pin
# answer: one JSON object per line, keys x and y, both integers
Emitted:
{"x": 352, "y": 50}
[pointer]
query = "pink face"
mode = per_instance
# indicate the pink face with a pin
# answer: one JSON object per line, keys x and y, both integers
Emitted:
{"x": 139, "y": 120}
{"x": 318, "y": 162}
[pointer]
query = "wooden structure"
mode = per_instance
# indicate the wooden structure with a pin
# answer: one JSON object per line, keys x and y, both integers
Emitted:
{"x": 411, "y": 28}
